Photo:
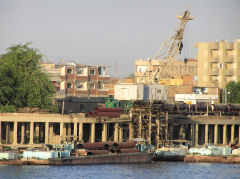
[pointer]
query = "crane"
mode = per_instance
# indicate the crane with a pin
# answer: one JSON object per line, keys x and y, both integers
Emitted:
{"x": 167, "y": 53}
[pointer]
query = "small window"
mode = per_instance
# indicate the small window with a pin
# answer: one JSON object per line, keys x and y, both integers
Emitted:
{"x": 99, "y": 85}
{"x": 99, "y": 70}
{"x": 92, "y": 86}
{"x": 92, "y": 72}
{"x": 159, "y": 91}
{"x": 69, "y": 71}
{"x": 69, "y": 85}
{"x": 80, "y": 86}
{"x": 80, "y": 72}
{"x": 220, "y": 65}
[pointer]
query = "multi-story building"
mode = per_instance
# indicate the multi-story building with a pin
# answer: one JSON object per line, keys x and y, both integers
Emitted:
{"x": 53, "y": 72}
{"x": 172, "y": 72}
{"x": 83, "y": 81}
{"x": 81, "y": 87}
{"x": 218, "y": 63}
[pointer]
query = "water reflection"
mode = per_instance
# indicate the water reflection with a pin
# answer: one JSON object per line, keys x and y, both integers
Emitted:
{"x": 150, "y": 170}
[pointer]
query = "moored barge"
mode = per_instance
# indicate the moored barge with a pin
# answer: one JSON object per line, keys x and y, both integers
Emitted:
{"x": 138, "y": 157}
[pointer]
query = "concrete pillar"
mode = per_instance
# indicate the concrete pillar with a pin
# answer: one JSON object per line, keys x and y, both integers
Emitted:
{"x": 216, "y": 134}
{"x": 0, "y": 132}
{"x": 131, "y": 131}
{"x": 92, "y": 133}
{"x": 116, "y": 132}
{"x": 166, "y": 128}
{"x": 120, "y": 134}
{"x": 232, "y": 133}
{"x": 51, "y": 129}
{"x": 15, "y": 133}
{"x": 140, "y": 125}
{"x": 150, "y": 126}
{"x": 7, "y": 132}
{"x": 75, "y": 131}
{"x": 64, "y": 131}
{"x": 206, "y": 133}
{"x": 69, "y": 132}
{"x": 224, "y": 134}
{"x": 31, "y": 132}
{"x": 22, "y": 132}
{"x": 37, "y": 129}
{"x": 104, "y": 132}
{"x": 61, "y": 131}
{"x": 80, "y": 131}
{"x": 46, "y": 132}
{"x": 158, "y": 130}
{"x": 196, "y": 135}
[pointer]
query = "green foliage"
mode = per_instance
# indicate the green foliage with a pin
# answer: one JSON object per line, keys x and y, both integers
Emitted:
{"x": 22, "y": 81}
{"x": 53, "y": 108}
{"x": 7, "y": 108}
{"x": 233, "y": 88}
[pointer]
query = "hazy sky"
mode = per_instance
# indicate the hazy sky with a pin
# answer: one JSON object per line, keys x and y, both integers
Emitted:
{"x": 109, "y": 32}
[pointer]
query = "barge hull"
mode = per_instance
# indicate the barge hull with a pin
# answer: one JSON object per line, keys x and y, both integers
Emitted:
{"x": 212, "y": 159}
{"x": 84, "y": 160}
{"x": 104, "y": 159}
{"x": 169, "y": 158}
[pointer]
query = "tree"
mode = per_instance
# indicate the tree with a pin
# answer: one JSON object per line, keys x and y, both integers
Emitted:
{"x": 22, "y": 81}
{"x": 233, "y": 92}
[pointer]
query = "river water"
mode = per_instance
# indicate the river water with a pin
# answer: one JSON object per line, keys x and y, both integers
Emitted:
{"x": 148, "y": 170}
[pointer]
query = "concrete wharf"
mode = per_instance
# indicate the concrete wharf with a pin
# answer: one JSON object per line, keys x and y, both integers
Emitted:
{"x": 34, "y": 130}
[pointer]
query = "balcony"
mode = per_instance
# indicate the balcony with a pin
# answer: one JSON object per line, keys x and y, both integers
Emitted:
{"x": 228, "y": 60}
{"x": 214, "y": 83}
{"x": 214, "y": 72}
{"x": 229, "y": 72}
{"x": 214, "y": 60}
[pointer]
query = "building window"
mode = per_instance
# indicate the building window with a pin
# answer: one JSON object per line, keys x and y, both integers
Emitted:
{"x": 92, "y": 72}
{"x": 220, "y": 65}
{"x": 99, "y": 85}
{"x": 99, "y": 70}
{"x": 69, "y": 71}
{"x": 158, "y": 91}
{"x": 80, "y": 72}
{"x": 92, "y": 86}
{"x": 69, "y": 85}
{"x": 80, "y": 86}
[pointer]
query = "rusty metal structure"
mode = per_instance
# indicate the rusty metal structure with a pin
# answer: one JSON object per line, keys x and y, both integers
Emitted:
{"x": 149, "y": 122}
{"x": 162, "y": 124}
{"x": 167, "y": 53}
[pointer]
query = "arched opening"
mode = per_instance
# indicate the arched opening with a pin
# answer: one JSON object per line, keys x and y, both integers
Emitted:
{"x": 69, "y": 85}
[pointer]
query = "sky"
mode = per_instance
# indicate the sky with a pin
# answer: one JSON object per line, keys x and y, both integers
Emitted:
{"x": 114, "y": 33}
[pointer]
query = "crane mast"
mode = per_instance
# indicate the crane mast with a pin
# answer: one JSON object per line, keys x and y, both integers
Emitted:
{"x": 167, "y": 53}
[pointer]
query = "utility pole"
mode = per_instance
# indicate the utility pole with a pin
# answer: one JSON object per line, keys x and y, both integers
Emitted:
{"x": 88, "y": 87}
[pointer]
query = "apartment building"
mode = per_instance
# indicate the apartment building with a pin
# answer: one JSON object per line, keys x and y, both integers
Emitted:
{"x": 83, "y": 81}
{"x": 218, "y": 63}
{"x": 172, "y": 72}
